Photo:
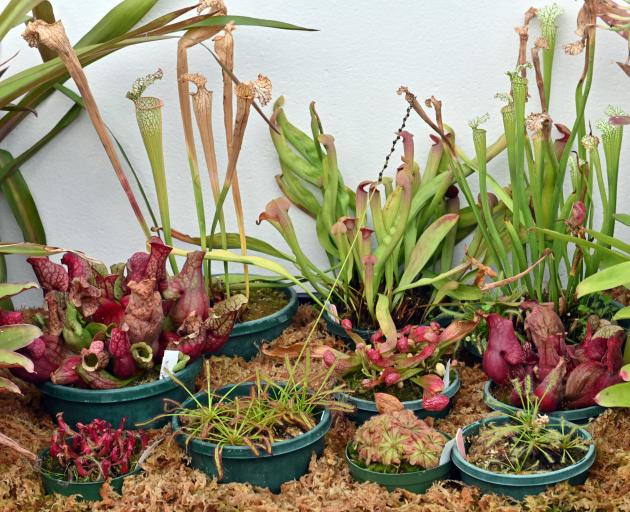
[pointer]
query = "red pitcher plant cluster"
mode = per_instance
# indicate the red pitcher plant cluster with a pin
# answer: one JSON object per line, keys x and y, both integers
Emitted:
{"x": 563, "y": 375}
{"x": 415, "y": 353}
{"x": 103, "y": 328}
{"x": 95, "y": 451}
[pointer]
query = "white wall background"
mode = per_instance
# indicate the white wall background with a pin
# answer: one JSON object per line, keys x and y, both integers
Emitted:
{"x": 457, "y": 50}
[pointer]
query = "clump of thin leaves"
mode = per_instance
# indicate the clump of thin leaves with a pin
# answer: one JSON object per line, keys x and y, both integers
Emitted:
{"x": 271, "y": 412}
{"x": 529, "y": 442}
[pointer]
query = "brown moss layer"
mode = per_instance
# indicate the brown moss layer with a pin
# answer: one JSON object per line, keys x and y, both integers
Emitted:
{"x": 168, "y": 485}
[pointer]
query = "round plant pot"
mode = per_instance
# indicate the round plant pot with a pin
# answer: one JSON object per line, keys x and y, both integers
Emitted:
{"x": 417, "y": 481}
{"x": 289, "y": 459}
{"x": 365, "y": 409}
{"x": 335, "y": 329}
{"x": 137, "y": 403}
{"x": 246, "y": 337}
{"x": 519, "y": 486}
{"x": 579, "y": 416}
{"x": 86, "y": 491}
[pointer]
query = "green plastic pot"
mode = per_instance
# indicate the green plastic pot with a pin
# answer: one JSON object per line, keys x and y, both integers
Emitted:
{"x": 334, "y": 328}
{"x": 417, "y": 481}
{"x": 86, "y": 491}
{"x": 365, "y": 409}
{"x": 579, "y": 416}
{"x": 289, "y": 459}
{"x": 137, "y": 403}
{"x": 246, "y": 337}
{"x": 519, "y": 486}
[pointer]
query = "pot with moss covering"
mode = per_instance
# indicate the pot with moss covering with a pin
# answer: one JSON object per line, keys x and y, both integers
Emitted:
{"x": 396, "y": 449}
{"x": 523, "y": 454}
{"x": 268, "y": 431}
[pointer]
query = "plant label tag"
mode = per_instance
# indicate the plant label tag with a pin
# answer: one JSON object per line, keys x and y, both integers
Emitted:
{"x": 332, "y": 311}
{"x": 459, "y": 441}
{"x": 447, "y": 374}
{"x": 446, "y": 452}
{"x": 169, "y": 360}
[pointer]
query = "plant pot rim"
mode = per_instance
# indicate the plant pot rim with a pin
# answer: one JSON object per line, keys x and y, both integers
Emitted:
{"x": 44, "y": 454}
{"x": 529, "y": 479}
{"x": 265, "y": 322}
{"x": 244, "y": 452}
{"x": 360, "y": 331}
{"x": 378, "y": 474}
{"x": 569, "y": 414}
{"x": 370, "y": 405}
{"x": 156, "y": 387}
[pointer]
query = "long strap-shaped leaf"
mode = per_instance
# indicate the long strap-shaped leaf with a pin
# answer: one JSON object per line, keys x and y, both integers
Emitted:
{"x": 21, "y": 203}
{"x": 115, "y": 23}
{"x": 22, "y": 82}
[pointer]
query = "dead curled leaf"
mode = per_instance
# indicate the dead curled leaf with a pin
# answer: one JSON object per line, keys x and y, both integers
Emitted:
{"x": 386, "y": 403}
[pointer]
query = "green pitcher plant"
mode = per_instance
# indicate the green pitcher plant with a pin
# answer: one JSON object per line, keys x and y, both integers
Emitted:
{"x": 530, "y": 245}
{"x": 389, "y": 236}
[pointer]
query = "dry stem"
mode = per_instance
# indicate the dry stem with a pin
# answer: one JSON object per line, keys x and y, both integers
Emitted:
{"x": 53, "y": 36}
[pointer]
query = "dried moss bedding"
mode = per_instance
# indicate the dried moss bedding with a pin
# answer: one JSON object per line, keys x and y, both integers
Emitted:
{"x": 168, "y": 485}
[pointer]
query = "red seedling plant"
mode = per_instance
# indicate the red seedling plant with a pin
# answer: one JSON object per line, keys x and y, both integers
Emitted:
{"x": 94, "y": 452}
{"x": 415, "y": 353}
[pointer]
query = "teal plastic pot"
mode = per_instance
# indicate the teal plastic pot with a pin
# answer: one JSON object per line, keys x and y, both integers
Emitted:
{"x": 365, "y": 409}
{"x": 86, "y": 491}
{"x": 247, "y": 337}
{"x": 289, "y": 459}
{"x": 137, "y": 403}
{"x": 519, "y": 486}
{"x": 417, "y": 481}
{"x": 335, "y": 329}
{"x": 579, "y": 416}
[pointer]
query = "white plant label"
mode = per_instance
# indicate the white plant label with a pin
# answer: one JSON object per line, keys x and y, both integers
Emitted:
{"x": 169, "y": 360}
{"x": 459, "y": 441}
{"x": 446, "y": 452}
{"x": 447, "y": 374}
{"x": 332, "y": 310}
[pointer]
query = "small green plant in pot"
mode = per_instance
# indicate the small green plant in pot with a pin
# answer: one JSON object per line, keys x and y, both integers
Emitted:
{"x": 524, "y": 453}
{"x": 411, "y": 364}
{"x": 397, "y": 450}
{"x": 261, "y": 432}
{"x": 79, "y": 462}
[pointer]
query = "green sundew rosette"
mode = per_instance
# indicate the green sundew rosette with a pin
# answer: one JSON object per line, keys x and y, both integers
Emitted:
{"x": 288, "y": 461}
{"x": 520, "y": 486}
{"x": 413, "y": 481}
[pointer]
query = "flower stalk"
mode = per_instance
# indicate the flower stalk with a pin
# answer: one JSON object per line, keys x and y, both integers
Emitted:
{"x": 191, "y": 38}
{"x": 53, "y": 36}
